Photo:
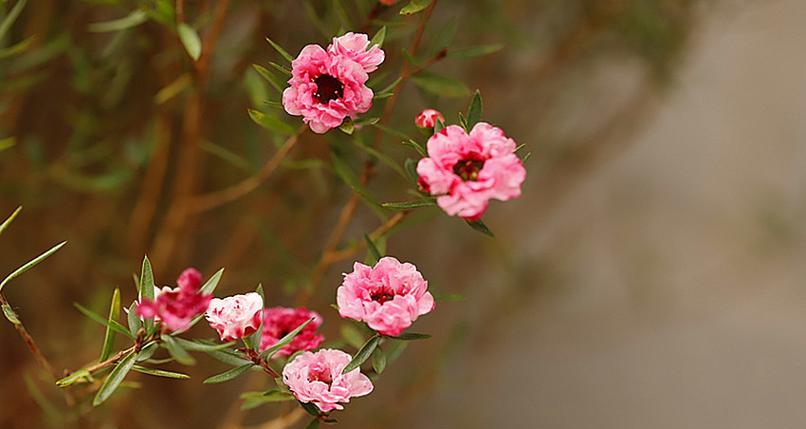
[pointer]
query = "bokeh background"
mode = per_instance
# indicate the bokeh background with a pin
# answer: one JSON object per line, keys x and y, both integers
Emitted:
{"x": 651, "y": 275}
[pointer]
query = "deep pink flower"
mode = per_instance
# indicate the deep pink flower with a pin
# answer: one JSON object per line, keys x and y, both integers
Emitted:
{"x": 317, "y": 378}
{"x": 387, "y": 297}
{"x": 176, "y": 307}
{"x": 428, "y": 118}
{"x": 465, "y": 171}
{"x": 279, "y": 321}
{"x": 236, "y": 316}
{"x": 328, "y": 86}
{"x": 388, "y": 2}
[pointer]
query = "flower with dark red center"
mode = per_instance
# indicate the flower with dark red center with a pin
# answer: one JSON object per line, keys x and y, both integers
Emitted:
{"x": 428, "y": 118}
{"x": 176, "y": 307}
{"x": 388, "y": 297}
{"x": 317, "y": 378}
{"x": 466, "y": 170}
{"x": 329, "y": 86}
{"x": 235, "y": 317}
{"x": 280, "y": 321}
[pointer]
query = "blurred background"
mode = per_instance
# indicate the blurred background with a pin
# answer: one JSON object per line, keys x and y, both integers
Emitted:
{"x": 650, "y": 276}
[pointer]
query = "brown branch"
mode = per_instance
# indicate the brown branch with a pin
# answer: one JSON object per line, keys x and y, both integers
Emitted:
{"x": 214, "y": 199}
{"x": 348, "y": 252}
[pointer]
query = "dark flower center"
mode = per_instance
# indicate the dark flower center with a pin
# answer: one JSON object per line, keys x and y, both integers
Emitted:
{"x": 321, "y": 375}
{"x": 468, "y": 169}
{"x": 382, "y": 295}
{"x": 328, "y": 88}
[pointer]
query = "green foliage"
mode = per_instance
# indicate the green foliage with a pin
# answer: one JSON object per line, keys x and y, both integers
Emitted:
{"x": 114, "y": 379}
{"x": 415, "y": 6}
{"x": 190, "y": 40}
{"x": 109, "y": 336}
{"x": 34, "y": 262}
{"x": 230, "y": 374}
{"x": 363, "y": 354}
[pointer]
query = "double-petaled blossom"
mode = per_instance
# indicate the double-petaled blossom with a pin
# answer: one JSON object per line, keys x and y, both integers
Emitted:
{"x": 428, "y": 118}
{"x": 328, "y": 86}
{"x": 466, "y": 170}
{"x": 317, "y": 378}
{"x": 280, "y": 321}
{"x": 388, "y": 297}
{"x": 176, "y": 307}
{"x": 235, "y": 317}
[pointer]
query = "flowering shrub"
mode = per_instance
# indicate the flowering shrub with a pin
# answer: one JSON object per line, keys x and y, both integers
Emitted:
{"x": 335, "y": 90}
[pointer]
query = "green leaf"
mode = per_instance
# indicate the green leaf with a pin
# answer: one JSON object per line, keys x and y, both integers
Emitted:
{"x": 254, "y": 399}
{"x": 474, "y": 111}
{"x": 174, "y": 88}
{"x": 347, "y": 127}
{"x": 146, "y": 289}
{"x": 280, "y": 50}
{"x": 373, "y": 254}
{"x": 415, "y": 6}
{"x": 363, "y": 354}
{"x": 282, "y": 69}
{"x": 378, "y": 361}
{"x": 475, "y": 51}
{"x": 109, "y": 336}
{"x": 255, "y": 338}
{"x": 133, "y": 19}
{"x": 228, "y": 357}
{"x": 408, "y": 205}
{"x": 12, "y": 50}
{"x": 411, "y": 336}
{"x": 160, "y": 372}
{"x": 95, "y": 317}
{"x": 177, "y": 352}
{"x": 440, "y": 85}
{"x": 268, "y": 353}
{"x": 276, "y": 83}
{"x": 11, "y": 315}
{"x": 201, "y": 346}
{"x": 115, "y": 378}
{"x": 379, "y": 37}
{"x": 10, "y": 219}
{"x": 80, "y": 376}
{"x": 352, "y": 336}
{"x": 479, "y": 226}
{"x": 133, "y": 320}
{"x": 31, "y": 264}
{"x": 147, "y": 352}
{"x": 411, "y": 169}
{"x": 11, "y": 17}
{"x": 7, "y": 142}
{"x": 229, "y": 375}
{"x": 342, "y": 170}
{"x": 310, "y": 408}
{"x": 314, "y": 424}
{"x": 212, "y": 283}
{"x": 190, "y": 40}
{"x": 271, "y": 123}
{"x": 438, "y": 126}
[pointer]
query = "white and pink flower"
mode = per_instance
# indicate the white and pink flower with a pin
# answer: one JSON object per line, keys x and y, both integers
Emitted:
{"x": 328, "y": 86}
{"x": 317, "y": 378}
{"x": 465, "y": 171}
{"x": 388, "y": 297}
{"x": 428, "y": 118}
{"x": 280, "y": 321}
{"x": 236, "y": 316}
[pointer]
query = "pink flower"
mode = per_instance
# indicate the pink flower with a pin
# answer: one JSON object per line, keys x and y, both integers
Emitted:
{"x": 388, "y": 2}
{"x": 279, "y": 321}
{"x": 236, "y": 316}
{"x": 428, "y": 118}
{"x": 388, "y": 297}
{"x": 357, "y": 47}
{"x": 328, "y": 86}
{"x": 465, "y": 171}
{"x": 316, "y": 377}
{"x": 176, "y": 307}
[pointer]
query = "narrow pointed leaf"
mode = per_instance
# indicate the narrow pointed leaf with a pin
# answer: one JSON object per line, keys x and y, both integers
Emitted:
{"x": 11, "y": 17}
{"x": 228, "y": 357}
{"x": 314, "y": 424}
{"x": 407, "y": 205}
{"x": 31, "y": 264}
{"x": 133, "y": 320}
{"x": 109, "y": 336}
{"x": 10, "y": 219}
{"x": 146, "y": 289}
{"x": 474, "y": 111}
{"x": 352, "y": 336}
{"x": 363, "y": 354}
{"x": 280, "y": 50}
{"x": 177, "y": 352}
{"x": 212, "y": 283}
{"x": 378, "y": 361}
{"x": 310, "y": 408}
{"x": 479, "y": 226}
{"x": 147, "y": 352}
{"x": 379, "y": 37}
{"x": 373, "y": 254}
{"x": 133, "y": 19}
{"x": 115, "y": 378}
{"x": 229, "y": 375}
{"x": 11, "y": 315}
{"x": 190, "y": 40}
{"x": 415, "y": 6}
{"x": 160, "y": 372}
{"x": 95, "y": 317}
{"x": 199, "y": 346}
{"x": 411, "y": 336}
{"x": 268, "y": 353}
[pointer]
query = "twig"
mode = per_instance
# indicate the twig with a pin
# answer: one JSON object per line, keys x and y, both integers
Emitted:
{"x": 214, "y": 199}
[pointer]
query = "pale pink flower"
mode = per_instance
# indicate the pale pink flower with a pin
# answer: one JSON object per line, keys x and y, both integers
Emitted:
{"x": 357, "y": 47}
{"x": 428, "y": 118}
{"x": 387, "y": 297}
{"x": 279, "y": 321}
{"x": 317, "y": 378}
{"x": 176, "y": 307}
{"x": 236, "y": 316}
{"x": 326, "y": 87}
{"x": 465, "y": 171}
